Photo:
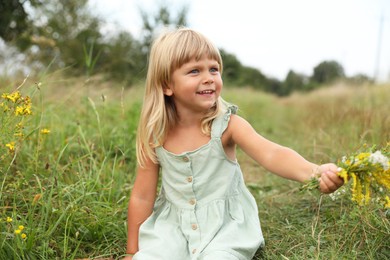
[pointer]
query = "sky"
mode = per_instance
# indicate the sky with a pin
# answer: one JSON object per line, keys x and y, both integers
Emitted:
{"x": 276, "y": 36}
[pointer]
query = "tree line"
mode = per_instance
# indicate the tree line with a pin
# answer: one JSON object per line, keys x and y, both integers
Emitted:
{"x": 67, "y": 35}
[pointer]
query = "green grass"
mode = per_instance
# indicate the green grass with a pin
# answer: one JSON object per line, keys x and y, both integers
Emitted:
{"x": 70, "y": 188}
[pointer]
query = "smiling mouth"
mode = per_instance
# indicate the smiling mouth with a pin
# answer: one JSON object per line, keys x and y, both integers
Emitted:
{"x": 206, "y": 92}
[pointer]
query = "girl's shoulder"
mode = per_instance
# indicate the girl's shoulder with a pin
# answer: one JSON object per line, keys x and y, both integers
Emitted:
{"x": 238, "y": 128}
{"x": 235, "y": 124}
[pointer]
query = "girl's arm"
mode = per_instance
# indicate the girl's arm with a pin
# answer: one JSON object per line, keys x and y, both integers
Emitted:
{"x": 281, "y": 160}
{"x": 141, "y": 202}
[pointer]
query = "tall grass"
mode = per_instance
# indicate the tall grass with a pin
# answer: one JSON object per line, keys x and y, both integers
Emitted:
{"x": 323, "y": 126}
{"x": 69, "y": 188}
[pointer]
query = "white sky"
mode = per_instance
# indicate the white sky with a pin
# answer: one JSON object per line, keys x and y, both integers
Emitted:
{"x": 278, "y": 35}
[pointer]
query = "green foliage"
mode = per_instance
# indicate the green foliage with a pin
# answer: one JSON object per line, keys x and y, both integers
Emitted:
{"x": 231, "y": 67}
{"x": 234, "y": 73}
{"x": 243, "y": 76}
{"x": 122, "y": 59}
{"x": 13, "y": 19}
{"x": 90, "y": 60}
{"x": 360, "y": 79}
{"x": 274, "y": 86}
{"x": 253, "y": 77}
{"x": 64, "y": 36}
{"x": 327, "y": 71}
{"x": 67, "y": 35}
{"x": 294, "y": 82}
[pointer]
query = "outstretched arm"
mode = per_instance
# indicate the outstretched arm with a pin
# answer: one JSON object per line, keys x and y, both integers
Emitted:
{"x": 281, "y": 160}
{"x": 141, "y": 202}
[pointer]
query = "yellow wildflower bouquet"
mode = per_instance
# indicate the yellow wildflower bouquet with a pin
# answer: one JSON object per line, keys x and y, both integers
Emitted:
{"x": 369, "y": 172}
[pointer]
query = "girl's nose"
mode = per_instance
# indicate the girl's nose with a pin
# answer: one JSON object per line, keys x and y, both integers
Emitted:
{"x": 209, "y": 79}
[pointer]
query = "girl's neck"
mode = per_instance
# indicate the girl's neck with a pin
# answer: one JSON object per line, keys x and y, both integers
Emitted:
{"x": 189, "y": 120}
{"x": 188, "y": 123}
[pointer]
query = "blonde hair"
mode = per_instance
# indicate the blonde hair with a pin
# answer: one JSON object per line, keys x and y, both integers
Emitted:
{"x": 169, "y": 52}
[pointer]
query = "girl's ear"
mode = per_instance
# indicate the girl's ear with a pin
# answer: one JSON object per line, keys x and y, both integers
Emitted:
{"x": 167, "y": 91}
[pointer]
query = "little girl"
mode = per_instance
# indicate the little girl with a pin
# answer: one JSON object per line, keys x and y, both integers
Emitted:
{"x": 189, "y": 135}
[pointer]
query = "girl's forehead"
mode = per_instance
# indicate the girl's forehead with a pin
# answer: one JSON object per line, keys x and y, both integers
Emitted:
{"x": 196, "y": 60}
{"x": 203, "y": 59}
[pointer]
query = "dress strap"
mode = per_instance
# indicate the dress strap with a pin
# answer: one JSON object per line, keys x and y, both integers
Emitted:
{"x": 221, "y": 122}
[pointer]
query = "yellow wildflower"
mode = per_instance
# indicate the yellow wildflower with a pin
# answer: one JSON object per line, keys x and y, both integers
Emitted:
{"x": 45, "y": 131}
{"x": 21, "y": 227}
{"x": 5, "y": 107}
{"x": 18, "y": 231}
{"x": 387, "y": 203}
{"x": 27, "y": 110}
{"x": 367, "y": 194}
{"x": 23, "y": 110}
{"x": 370, "y": 174}
{"x": 14, "y": 97}
{"x": 18, "y": 134}
{"x": 343, "y": 174}
{"x": 362, "y": 156}
{"x": 9, "y": 219}
{"x": 348, "y": 162}
{"x": 383, "y": 179}
{"x": 27, "y": 100}
{"x": 11, "y": 146}
{"x": 23, "y": 236}
{"x": 19, "y": 110}
{"x": 357, "y": 194}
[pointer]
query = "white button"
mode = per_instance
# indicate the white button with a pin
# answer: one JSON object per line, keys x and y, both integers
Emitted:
{"x": 186, "y": 159}
{"x": 192, "y": 201}
{"x": 194, "y": 251}
{"x": 194, "y": 227}
{"x": 189, "y": 178}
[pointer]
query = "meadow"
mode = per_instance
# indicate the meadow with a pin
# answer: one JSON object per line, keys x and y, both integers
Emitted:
{"x": 67, "y": 168}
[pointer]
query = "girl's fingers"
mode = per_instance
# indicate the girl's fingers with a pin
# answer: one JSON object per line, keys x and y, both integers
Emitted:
{"x": 330, "y": 181}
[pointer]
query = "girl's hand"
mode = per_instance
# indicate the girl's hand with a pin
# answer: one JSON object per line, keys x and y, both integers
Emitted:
{"x": 329, "y": 180}
{"x": 128, "y": 257}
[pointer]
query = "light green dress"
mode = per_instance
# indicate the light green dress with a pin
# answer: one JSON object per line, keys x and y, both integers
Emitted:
{"x": 204, "y": 210}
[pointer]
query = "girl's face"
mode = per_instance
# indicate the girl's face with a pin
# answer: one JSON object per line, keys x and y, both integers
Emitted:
{"x": 196, "y": 85}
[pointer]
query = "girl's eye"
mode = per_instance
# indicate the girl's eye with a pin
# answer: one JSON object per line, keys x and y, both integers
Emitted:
{"x": 194, "y": 71}
{"x": 214, "y": 69}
